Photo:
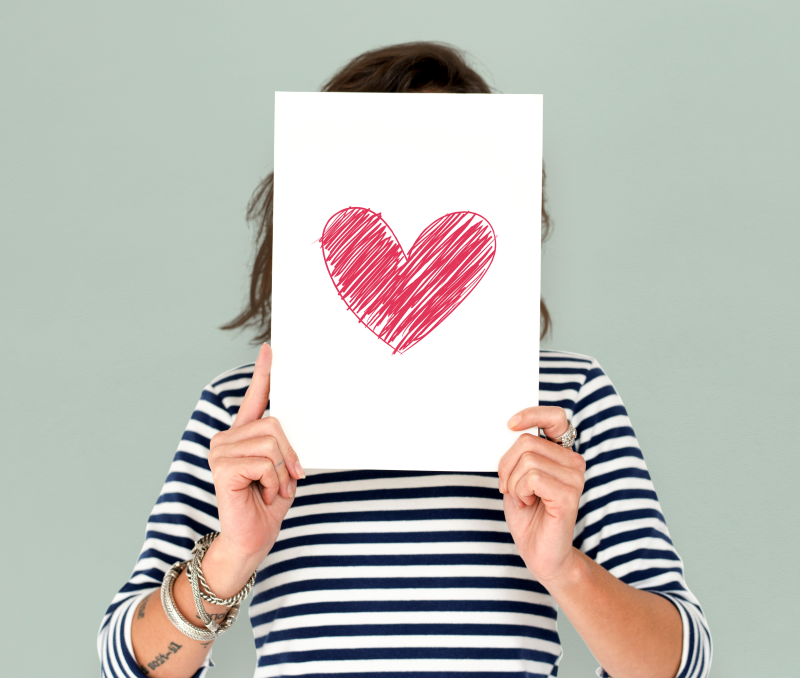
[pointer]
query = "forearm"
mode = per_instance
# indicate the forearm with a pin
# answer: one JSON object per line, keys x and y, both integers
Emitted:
{"x": 632, "y": 633}
{"x": 161, "y": 650}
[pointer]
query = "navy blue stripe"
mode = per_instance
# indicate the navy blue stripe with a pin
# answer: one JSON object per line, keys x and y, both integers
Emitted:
{"x": 675, "y": 593}
{"x": 611, "y": 476}
{"x": 130, "y": 659}
{"x": 398, "y": 606}
{"x": 247, "y": 374}
{"x": 639, "y": 554}
{"x": 565, "y": 404}
{"x": 687, "y": 670}
{"x": 234, "y": 393}
{"x": 208, "y": 420}
{"x": 552, "y": 356}
{"x": 181, "y": 477}
{"x": 593, "y": 397}
{"x": 401, "y": 493}
{"x": 113, "y": 608}
{"x": 194, "y": 437}
{"x": 557, "y": 387}
{"x": 111, "y": 645}
{"x": 346, "y": 630}
{"x": 346, "y": 584}
{"x": 211, "y": 397}
{"x": 429, "y": 674}
{"x": 189, "y": 458}
{"x": 600, "y": 438}
{"x": 622, "y": 537}
{"x": 183, "y": 542}
{"x": 410, "y": 653}
{"x": 619, "y": 495}
{"x": 180, "y": 519}
{"x": 389, "y": 515}
{"x": 640, "y": 575}
{"x": 549, "y": 369}
{"x": 434, "y": 559}
{"x": 153, "y": 573}
{"x": 614, "y": 518}
{"x": 611, "y": 455}
{"x": 163, "y": 557}
{"x": 180, "y": 498}
{"x": 394, "y": 538}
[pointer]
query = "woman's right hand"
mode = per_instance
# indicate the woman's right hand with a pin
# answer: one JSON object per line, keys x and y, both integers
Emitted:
{"x": 255, "y": 473}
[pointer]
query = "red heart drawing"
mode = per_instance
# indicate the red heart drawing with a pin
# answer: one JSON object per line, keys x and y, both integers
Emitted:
{"x": 402, "y": 297}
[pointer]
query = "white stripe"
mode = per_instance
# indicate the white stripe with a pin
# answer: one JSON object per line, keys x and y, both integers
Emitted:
{"x": 395, "y": 527}
{"x": 404, "y": 594}
{"x": 433, "y": 665}
{"x": 336, "y": 643}
{"x": 390, "y": 572}
{"x": 388, "y": 505}
{"x": 395, "y": 484}
{"x": 385, "y": 618}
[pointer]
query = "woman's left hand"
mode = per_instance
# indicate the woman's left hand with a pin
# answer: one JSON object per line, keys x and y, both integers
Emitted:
{"x": 542, "y": 484}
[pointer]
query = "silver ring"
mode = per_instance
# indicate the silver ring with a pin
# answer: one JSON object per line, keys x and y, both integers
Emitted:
{"x": 566, "y": 439}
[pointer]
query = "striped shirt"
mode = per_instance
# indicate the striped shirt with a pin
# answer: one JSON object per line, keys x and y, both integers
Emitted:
{"x": 386, "y": 574}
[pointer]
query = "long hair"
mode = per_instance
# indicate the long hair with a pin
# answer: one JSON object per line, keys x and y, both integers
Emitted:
{"x": 408, "y": 67}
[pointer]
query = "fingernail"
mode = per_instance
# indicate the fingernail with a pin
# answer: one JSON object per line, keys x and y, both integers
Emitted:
{"x": 290, "y": 490}
{"x": 502, "y": 487}
{"x": 512, "y": 423}
{"x": 299, "y": 470}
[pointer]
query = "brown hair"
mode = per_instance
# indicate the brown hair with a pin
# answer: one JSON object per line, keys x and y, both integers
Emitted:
{"x": 408, "y": 67}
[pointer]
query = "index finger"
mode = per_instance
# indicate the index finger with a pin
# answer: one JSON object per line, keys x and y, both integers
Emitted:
{"x": 255, "y": 400}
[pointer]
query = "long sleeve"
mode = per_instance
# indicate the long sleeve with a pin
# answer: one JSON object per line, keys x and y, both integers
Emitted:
{"x": 620, "y": 523}
{"x": 185, "y": 510}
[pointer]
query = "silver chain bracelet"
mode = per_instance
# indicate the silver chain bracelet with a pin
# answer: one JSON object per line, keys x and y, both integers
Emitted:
{"x": 196, "y": 578}
{"x": 199, "y": 582}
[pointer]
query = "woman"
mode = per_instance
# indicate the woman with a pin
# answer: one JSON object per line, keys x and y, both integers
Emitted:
{"x": 381, "y": 573}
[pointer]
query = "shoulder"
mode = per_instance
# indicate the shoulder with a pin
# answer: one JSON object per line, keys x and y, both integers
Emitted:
{"x": 226, "y": 390}
{"x": 560, "y": 366}
{"x": 575, "y": 382}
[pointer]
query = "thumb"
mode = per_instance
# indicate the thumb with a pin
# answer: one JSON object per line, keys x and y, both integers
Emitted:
{"x": 256, "y": 398}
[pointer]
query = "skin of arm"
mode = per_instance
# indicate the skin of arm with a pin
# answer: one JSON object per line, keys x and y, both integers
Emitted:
{"x": 632, "y": 633}
{"x": 161, "y": 650}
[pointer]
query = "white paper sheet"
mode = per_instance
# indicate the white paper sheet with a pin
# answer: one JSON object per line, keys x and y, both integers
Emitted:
{"x": 347, "y": 397}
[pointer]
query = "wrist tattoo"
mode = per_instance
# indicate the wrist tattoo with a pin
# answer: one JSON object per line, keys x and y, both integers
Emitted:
{"x": 215, "y": 616}
{"x": 140, "y": 613}
{"x": 161, "y": 658}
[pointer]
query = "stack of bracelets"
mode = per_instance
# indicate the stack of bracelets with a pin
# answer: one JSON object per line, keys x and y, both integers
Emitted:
{"x": 201, "y": 592}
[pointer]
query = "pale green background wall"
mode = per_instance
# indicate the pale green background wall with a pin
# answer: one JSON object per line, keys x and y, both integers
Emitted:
{"x": 132, "y": 135}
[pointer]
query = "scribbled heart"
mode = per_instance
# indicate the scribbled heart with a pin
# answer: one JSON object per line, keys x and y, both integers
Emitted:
{"x": 402, "y": 297}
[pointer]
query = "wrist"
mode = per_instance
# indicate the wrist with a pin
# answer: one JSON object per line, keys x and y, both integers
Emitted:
{"x": 570, "y": 576}
{"x": 227, "y": 571}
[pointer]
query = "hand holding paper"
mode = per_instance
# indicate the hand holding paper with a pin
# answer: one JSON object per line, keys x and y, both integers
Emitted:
{"x": 542, "y": 484}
